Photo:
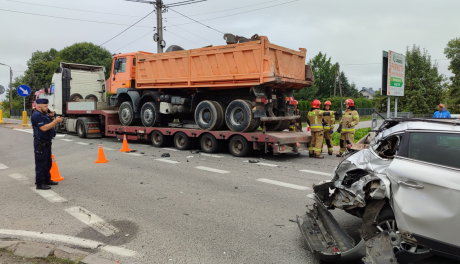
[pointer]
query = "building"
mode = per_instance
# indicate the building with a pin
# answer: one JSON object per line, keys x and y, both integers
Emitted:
{"x": 367, "y": 93}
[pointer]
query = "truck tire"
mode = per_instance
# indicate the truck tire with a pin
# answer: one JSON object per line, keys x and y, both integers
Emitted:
{"x": 74, "y": 97}
{"x": 209, "y": 144}
{"x": 207, "y": 115}
{"x": 182, "y": 141}
{"x": 284, "y": 125}
{"x": 239, "y": 146}
{"x": 273, "y": 126}
{"x": 239, "y": 116}
{"x": 221, "y": 112}
{"x": 126, "y": 113}
{"x": 81, "y": 129}
{"x": 91, "y": 97}
{"x": 150, "y": 116}
{"x": 159, "y": 140}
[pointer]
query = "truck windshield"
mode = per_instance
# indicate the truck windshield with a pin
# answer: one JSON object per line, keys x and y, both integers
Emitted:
{"x": 122, "y": 67}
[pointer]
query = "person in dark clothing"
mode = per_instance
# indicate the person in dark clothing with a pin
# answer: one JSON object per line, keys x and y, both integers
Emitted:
{"x": 43, "y": 129}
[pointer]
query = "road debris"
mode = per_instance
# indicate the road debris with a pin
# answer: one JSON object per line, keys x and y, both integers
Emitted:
{"x": 165, "y": 155}
{"x": 195, "y": 151}
{"x": 253, "y": 161}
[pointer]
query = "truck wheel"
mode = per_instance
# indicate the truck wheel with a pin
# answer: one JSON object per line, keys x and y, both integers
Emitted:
{"x": 74, "y": 97}
{"x": 150, "y": 116}
{"x": 91, "y": 97}
{"x": 81, "y": 130}
{"x": 239, "y": 116}
{"x": 239, "y": 146}
{"x": 207, "y": 116}
{"x": 126, "y": 113}
{"x": 159, "y": 140}
{"x": 221, "y": 113}
{"x": 182, "y": 141}
{"x": 209, "y": 144}
{"x": 284, "y": 125}
{"x": 273, "y": 126}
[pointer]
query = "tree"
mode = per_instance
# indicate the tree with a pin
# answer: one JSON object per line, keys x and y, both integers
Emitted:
{"x": 452, "y": 52}
{"x": 87, "y": 53}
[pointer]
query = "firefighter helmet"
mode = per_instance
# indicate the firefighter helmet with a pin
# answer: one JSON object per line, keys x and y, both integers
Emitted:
{"x": 327, "y": 103}
{"x": 350, "y": 102}
{"x": 316, "y": 103}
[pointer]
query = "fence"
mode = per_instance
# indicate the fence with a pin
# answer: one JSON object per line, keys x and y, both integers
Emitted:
{"x": 17, "y": 113}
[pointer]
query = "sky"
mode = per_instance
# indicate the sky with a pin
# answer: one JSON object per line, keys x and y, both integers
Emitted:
{"x": 352, "y": 32}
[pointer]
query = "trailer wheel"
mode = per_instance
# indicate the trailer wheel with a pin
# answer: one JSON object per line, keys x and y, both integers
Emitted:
{"x": 81, "y": 130}
{"x": 126, "y": 113}
{"x": 239, "y": 146}
{"x": 182, "y": 141}
{"x": 209, "y": 144}
{"x": 159, "y": 140}
{"x": 239, "y": 116}
{"x": 207, "y": 115}
{"x": 91, "y": 97}
{"x": 150, "y": 116}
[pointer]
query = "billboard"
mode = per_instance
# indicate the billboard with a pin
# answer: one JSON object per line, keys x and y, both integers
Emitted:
{"x": 396, "y": 73}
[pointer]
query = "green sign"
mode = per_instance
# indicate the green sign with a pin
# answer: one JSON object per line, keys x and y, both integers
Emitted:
{"x": 396, "y": 82}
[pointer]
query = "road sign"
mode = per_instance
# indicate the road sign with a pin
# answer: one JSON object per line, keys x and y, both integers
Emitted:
{"x": 396, "y": 71}
{"x": 2, "y": 89}
{"x": 23, "y": 90}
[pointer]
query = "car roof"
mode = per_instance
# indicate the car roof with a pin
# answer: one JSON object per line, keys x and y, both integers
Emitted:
{"x": 395, "y": 125}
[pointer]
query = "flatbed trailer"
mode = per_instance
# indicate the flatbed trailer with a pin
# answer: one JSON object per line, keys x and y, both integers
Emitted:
{"x": 99, "y": 123}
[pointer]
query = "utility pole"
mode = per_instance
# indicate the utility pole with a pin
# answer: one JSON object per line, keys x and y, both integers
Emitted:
{"x": 337, "y": 80}
{"x": 159, "y": 9}
{"x": 11, "y": 85}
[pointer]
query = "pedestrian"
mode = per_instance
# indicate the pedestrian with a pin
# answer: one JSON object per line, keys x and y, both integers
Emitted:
{"x": 315, "y": 121}
{"x": 350, "y": 119}
{"x": 43, "y": 129}
{"x": 442, "y": 113}
{"x": 329, "y": 123}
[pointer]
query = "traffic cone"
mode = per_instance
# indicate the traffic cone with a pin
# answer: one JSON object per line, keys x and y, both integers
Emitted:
{"x": 125, "y": 147}
{"x": 101, "y": 156}
{"x": 55, "y": 176}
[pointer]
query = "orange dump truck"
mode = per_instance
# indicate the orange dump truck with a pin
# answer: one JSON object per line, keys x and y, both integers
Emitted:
{"x": 235, "y": 86}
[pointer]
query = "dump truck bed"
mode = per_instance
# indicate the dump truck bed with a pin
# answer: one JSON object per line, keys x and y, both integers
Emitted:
{"x": 222, "y": 67}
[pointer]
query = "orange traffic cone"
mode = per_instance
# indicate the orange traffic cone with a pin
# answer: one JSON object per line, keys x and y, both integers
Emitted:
{"x": 101, "y": 156}
{"x": 55, "y": 176}
{"x": 125, "y": 147}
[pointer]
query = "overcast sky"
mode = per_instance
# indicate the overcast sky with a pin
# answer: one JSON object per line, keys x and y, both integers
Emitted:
{"x": 351, "y": 32}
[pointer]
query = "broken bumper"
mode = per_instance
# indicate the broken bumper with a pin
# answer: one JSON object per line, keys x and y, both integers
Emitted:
{"x": 326, "y": 238}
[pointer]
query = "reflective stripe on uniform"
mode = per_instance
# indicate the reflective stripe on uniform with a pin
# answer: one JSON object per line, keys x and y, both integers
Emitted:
{"x": 316, "y": 149}
{"x": 356, "y": 116}
{"x": 348, "y": 129}
{"x": 331, "y": 149}
{"x": 316, "y": 126}
{"x": 327, "y": 128}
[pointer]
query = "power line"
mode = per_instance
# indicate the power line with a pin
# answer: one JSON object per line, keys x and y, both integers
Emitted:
{"x": 67, "y": 18}
{"x": 181, "y": 36}
{"x": 134, "y": 40}
{"x": 178, "y": 3}
{"x": 196, "y": 21}
{"x": 128, "y": 27}
{"x": 187, "y": 31}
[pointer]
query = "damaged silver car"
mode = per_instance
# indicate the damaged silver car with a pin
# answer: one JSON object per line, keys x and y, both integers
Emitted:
{"x": 403, "y": 181}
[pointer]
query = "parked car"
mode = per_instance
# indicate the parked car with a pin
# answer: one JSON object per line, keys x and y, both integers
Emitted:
{"x": 403, "y": 181}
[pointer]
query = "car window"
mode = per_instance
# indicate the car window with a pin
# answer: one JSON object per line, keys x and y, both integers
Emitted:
{"x": 438, "y": 148}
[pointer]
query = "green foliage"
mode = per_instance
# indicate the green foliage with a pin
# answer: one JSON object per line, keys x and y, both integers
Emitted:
{"x": 452, "y": 95}
{"x": 359, "y": 134}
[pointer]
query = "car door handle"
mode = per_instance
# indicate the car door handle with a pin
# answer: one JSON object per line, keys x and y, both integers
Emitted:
{"x": 411, "y": 184}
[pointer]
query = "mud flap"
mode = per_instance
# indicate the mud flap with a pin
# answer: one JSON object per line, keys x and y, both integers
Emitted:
{"x": 326, "y": 238}
{"x": 379, "y": 250}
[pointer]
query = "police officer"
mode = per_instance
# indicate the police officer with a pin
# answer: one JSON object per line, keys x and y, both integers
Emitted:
{"x": 44, "y": 132}
{"x": 315, "y": 121}
{"x": 329, "y": 122}
{"x": 349, "y": 120}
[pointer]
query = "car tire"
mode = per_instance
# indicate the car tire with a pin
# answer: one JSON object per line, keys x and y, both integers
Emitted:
{"x": 209, "y": 144}
{"x": 239, "y": 146}
{"x": 239, "y": 116}
{"x": 150, "y": 116}
{"x": 182, "y": 141}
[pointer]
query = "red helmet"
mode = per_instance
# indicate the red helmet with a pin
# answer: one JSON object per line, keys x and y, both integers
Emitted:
{"x": 350, "y": 102}
{"x": 316, "y": 103}
{"x": 327, "y": 103}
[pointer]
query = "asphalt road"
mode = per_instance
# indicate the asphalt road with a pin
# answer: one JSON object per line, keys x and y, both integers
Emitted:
{"x": 189, "y": 208}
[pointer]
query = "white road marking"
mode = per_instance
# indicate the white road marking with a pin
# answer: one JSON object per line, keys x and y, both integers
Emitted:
{"x": 261, "y": 163}
{"x": 3, "y": 166}
{"x": 135, "y": 154}
{"x": 107, "y": 148}
{"x": 66, "y": 139}
{"x": 284, "y": 184}
{"x": 82, "y": 143}
{"x": 18, "y": 177}
{"x": 170, "y": 149}
{"x": 92, "y": 220}
{"x": 60, "y": 135}
{"x": 168, "y": 161}
{"x": 67, "y": 240}
{"x": 211, "y": 155}
{"x": 211, "y": 169}
{"x": 316, "y": 172}
{"x": 30, "y": 131}
{"x": 49, "y": 195}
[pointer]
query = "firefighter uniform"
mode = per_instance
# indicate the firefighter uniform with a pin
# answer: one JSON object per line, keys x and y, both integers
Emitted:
{"x": 315, "y": 120}
{"x": 349, "y": 120}
{"x": 329, "y": 122}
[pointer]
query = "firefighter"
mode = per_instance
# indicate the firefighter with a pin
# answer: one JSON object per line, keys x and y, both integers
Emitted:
{"x": 349, "y": 120}
{"x": 315, "y": 121}
{"x": 329, "y": 122}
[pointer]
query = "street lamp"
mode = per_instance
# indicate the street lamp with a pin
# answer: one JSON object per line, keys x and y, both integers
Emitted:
{"x": 11, "y": 85}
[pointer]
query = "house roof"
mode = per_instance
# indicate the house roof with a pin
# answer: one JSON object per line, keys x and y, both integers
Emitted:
{"x": 371, "y": 92}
